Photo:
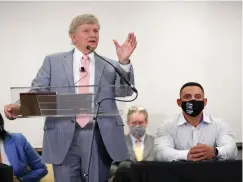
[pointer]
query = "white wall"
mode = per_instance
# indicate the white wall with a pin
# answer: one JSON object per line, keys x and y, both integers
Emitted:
{"x": 177, "y": 42}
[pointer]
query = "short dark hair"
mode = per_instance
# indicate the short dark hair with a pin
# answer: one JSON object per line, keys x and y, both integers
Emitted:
{"x": 3, "y": 132}
{"x": 189, "y": 84}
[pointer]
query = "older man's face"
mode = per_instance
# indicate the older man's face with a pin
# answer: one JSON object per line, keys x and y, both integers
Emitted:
{"x": 86, "y": 34}
{"x": 137, "y": 119}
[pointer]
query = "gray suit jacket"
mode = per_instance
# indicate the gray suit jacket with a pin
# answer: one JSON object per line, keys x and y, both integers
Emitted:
{"x": 148, "y": 153}
{"x": 57, "y": 70}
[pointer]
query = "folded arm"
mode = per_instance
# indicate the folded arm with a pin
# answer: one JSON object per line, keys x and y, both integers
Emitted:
{"x": 226, "y": 145}
{"x": 164, "y": 146}
{"x": 38, "y": 168}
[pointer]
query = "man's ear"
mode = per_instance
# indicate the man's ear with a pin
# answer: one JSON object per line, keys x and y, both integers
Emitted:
{"x": 72, "y": 36}
{"x": 205, "y": 101}
{"x": 179, "y": 102}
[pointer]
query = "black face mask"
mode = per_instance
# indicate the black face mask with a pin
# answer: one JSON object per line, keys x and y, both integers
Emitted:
{"x": 193, "y": 107}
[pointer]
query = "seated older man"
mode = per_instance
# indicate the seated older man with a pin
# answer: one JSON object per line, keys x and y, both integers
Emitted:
{"x": 140, "y": 144}
{"x": 194, "y": 135}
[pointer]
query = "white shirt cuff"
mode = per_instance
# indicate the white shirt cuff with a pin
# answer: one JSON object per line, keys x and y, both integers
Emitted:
{"x": 126, "y": 67}
{"x": 182, "y": 154}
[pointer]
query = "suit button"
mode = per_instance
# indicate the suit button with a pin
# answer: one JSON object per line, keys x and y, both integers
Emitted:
{"x": 72, "y": 121}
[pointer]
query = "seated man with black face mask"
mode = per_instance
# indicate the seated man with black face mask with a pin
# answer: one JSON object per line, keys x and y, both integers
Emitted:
{"x": 140, "y": 144}
{"x": 194, "y": 135}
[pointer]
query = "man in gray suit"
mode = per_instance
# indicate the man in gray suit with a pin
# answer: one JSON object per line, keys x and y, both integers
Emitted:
{"x": 140, "y": 145}
{"x": 137, "y": 120}
{"x": 67, "y": 140}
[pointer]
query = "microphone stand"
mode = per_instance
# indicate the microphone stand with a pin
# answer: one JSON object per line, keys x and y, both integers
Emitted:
{"x": 95, "y": 119}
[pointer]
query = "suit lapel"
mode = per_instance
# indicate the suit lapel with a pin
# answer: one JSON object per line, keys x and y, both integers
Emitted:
{"x": 147, "y": 147}
{"x": 99, "y": 69}
{"x": 68, "y": 66}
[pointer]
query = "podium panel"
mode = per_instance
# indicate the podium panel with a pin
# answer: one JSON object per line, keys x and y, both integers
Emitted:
{"x": 65, "y": 101}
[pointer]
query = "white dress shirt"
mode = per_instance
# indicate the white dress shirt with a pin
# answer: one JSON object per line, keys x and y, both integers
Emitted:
{"x": 175, "y": 137}
{"x": 77, "y": 56}
{"x": 3, "y": 154}
{"x": 134, "y": 142}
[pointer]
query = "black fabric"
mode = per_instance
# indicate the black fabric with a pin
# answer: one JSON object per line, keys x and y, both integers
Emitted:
{"x": 6, "y": 173}
{"x": 193, "y": 107}
{"x": 204, "y": 171}
{"x": 123, "y": 175}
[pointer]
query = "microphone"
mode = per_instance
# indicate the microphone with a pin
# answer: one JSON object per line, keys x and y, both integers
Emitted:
{"x": 116, "y": 69}
{"x": 82, "y": 69}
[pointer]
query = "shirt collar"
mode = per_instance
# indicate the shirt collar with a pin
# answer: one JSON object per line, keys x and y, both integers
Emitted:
{"x": 78, "y": 55}
{"x": 205, "y": 119}
{"x": 135, "y": 139}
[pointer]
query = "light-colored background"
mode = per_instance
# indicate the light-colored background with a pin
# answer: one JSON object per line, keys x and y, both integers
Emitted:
{"x": 177, "y": 42}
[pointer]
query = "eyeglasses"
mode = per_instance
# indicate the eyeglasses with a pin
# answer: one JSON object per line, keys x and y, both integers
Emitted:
{"x": 136, "y": 108}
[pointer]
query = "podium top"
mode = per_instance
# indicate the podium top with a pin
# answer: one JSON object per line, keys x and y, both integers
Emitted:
{"x": 64, "y": 101}
{"x": 64, "y": 86}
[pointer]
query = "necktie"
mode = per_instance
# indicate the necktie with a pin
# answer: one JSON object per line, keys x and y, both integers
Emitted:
{"x": 84, "y": 80}
{"x": 138, "y": 150}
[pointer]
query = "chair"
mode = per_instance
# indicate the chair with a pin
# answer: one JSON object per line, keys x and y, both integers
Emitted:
{"x": 50, "y": 176}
